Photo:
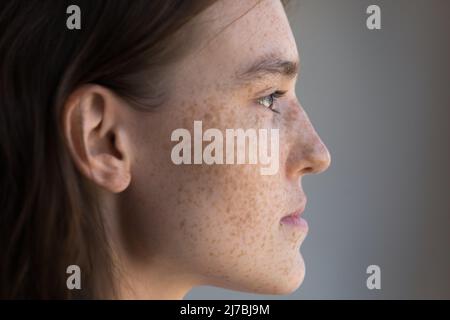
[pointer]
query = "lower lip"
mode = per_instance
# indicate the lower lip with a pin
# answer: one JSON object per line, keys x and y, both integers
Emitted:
{"x": 295, "y": 221}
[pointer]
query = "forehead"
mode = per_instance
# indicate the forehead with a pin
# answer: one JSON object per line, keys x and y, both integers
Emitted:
{"x": 236, "y": 33}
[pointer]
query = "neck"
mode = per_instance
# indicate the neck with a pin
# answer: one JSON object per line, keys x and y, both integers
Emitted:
{"x": 140, "y": 273}
{"x": 153, "y": 283}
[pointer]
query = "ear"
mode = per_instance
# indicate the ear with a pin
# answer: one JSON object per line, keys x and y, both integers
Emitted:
{"x": 96, "y": 138}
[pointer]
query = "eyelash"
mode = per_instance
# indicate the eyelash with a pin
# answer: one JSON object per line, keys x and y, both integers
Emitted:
{"x": 274, "y": 96}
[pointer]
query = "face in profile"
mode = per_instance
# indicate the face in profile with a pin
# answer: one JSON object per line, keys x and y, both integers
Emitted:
{"x": 176, "y": 226}
{"x": 222, "y": 225}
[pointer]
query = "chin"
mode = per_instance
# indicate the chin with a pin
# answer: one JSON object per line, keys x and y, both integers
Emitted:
{"x": 284, "y": 286}
{"x": 270, "y": 280}
{"x": 288, "y": 283}
{"x": 275, "y": 284}
{"x": 292, "y": 285}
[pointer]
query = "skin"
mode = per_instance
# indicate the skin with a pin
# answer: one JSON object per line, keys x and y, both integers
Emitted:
{"x": 174, "y": 227}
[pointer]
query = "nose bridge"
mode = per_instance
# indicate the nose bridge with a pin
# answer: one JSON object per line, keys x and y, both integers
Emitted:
{"x": 308, "y": 154}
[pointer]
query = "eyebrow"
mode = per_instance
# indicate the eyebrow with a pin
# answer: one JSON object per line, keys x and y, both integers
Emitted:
{"x": 269, "y": 65}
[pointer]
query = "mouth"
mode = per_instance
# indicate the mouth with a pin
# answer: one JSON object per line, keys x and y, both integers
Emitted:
{"x": 295, "y": 218}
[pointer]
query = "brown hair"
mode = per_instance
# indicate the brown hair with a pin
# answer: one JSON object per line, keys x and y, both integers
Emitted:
{"x": 48, "y": 217}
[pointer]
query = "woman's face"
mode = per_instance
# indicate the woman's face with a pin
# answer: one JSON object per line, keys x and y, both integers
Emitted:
{"x": 220, "y": 224}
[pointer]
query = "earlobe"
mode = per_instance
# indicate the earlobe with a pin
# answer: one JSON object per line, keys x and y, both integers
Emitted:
{"x": 109, "y": 173}
{"x": 95, "y": 138}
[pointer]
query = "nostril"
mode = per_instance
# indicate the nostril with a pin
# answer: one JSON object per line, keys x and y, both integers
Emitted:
{"x": 307, "y": 170}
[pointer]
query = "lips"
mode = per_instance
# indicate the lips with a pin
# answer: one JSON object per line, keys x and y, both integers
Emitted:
{"x": 294, "y": 218}
{"x": 297, "y": 213}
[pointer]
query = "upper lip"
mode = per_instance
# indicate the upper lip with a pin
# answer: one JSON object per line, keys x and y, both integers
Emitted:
{"x": 298, "y": 211}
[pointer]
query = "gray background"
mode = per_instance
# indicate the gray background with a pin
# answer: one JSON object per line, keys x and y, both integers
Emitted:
{"x": 381, "y": 102}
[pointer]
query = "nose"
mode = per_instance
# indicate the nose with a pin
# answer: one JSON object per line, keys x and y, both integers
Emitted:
{"x": 308, "y": 154}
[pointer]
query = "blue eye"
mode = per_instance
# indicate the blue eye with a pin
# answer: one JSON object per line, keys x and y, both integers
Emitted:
{"x": 269, "y": 100}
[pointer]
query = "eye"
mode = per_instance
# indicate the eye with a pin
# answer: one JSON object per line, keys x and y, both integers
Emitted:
{"x": 269, "y": 100}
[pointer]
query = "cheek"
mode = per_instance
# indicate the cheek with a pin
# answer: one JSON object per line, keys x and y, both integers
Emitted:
{"x": 230, "y": 233}
{"x": 220, "y": 221}
{"x": 231, "y": 205}
{"x": 228, "y": 219}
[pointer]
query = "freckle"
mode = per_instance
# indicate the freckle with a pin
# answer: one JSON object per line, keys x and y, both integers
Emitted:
{"x": 182, "y": 223}
{"x": 208, "y": 117}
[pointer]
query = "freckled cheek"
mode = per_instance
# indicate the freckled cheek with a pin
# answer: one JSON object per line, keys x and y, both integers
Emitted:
{"x": 220, "y": 204}
{"x": 232, "y": 210}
